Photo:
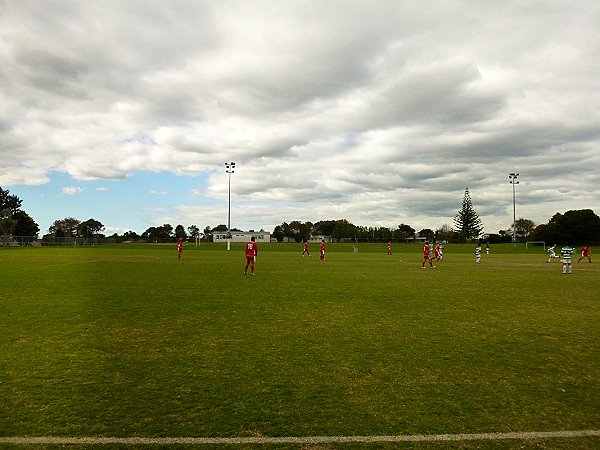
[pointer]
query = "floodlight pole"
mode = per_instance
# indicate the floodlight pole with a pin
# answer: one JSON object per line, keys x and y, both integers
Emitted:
{"x": 513, "y": 180}
{"x": 229, "y": 170}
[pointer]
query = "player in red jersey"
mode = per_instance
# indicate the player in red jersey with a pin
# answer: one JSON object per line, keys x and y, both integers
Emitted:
{"x": 389, "y": 247}
{"x": 179, "y": 248}
{"x": 322, "y": 250}
{"x": 437, "y": 252}
{"x": 305, "y": 249}
{"x": 251, "y": 252}
{"x": 426, "y": 252}
{"x": 586, "y": 252}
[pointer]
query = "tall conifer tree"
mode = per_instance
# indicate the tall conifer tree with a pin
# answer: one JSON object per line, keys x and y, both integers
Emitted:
{"x": 466, "y": 222}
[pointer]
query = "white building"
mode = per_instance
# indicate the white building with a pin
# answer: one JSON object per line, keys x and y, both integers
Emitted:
{"x": 242, "y": 236}
{"x": 317, "y": 239}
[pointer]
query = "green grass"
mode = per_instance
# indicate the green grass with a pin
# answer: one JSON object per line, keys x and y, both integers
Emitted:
{"x": 128, "y": 341}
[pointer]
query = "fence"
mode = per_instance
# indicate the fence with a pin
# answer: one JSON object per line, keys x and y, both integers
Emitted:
{"x": 26, "y": 241}
{"x": 17, "y": 241}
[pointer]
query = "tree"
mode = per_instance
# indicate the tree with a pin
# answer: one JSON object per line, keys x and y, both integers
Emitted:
{"x": 306, "y": 230}
{"x": 344, "y": 229}
{"x": 180, "y": 232}
{"x": 295, "y": 230}
{"x": 7, "y": 225}
{"x": 466, "y": 222}
{"x": 130, "y": 236}
{"x": 166, "y": 231}
{"x": 383, "y": 234}
{"x": 66, "y": 227}
{"x": 278, "y": 233}
{"x": 324, "y": 227}
{"x": 163, "y": 233}
{"x": 338, "y": 229}
{"x": 89, "y": 229}
{"x": 500, "y": 238}
{"x": 583, "y": 226}
{"x": 405, "y": 232}
{"x": 219, "y": 228}
{"x": 26, "y": 226}
{"x": 523, "y": 228}
{"x": 194, "y": 232}
{"x": 575, "y": 226}
{"x": 427, "y": 233}
{"x": 151, "y": 234}
{"x": 8, "y": 201}
{"x": 445, "y": 233}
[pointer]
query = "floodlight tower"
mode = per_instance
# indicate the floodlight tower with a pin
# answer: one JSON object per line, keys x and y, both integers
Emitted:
{"x": 229, "y": 170}
{"x": 512, "y": 177}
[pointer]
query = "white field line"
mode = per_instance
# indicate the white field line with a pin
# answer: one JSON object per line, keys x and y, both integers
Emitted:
{"x": 301, "y": 440}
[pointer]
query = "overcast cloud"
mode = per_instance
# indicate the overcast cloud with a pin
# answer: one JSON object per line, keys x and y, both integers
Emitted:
{"x": 380, "y": 112}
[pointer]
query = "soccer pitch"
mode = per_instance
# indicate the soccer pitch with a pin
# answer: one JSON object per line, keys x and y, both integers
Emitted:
{"x": 129, "y": 342}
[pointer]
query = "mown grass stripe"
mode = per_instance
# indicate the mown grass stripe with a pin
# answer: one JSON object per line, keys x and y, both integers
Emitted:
{"x": 98, "y": 440}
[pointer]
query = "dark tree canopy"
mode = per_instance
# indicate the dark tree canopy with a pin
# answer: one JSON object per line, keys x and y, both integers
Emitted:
{"x": 467, "y": 223}
{"x": 427, "y": 233}
{"x": 19, "y": 223}
{"x": 180, "y": 232}
{"x": 573, "y": 227}
{"x": 406, "y": 231}
{"x": 219, "y": 228}
{"x": 26, "y": 226}
{"x": 162, "y": 233}
{"x": 8, "y": 201}
{"x": 66, "y": 227}
{"x": 89, "y": 228}
{"x": 341, "y": 230}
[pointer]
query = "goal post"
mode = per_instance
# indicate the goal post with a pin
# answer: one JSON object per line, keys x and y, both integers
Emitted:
{"x": 532, "y": 243}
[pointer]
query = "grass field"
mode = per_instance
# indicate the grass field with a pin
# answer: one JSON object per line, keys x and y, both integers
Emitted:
{"x": 128, "y": 341}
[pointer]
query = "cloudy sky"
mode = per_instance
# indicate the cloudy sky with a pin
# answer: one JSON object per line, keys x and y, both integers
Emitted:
{"x": 380, "y": 112}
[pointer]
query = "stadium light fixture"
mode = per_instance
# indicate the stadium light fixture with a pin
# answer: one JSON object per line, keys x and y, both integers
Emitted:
{"x": 229, "y": 169}
{"x": 512, "y": 177}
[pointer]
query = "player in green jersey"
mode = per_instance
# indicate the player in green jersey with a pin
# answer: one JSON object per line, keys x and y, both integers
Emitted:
{"x": 567, "y": 252}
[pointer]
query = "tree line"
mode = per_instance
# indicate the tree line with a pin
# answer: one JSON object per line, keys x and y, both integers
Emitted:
{"x": 92, "y": 229}
{"x": 575, "y": 226}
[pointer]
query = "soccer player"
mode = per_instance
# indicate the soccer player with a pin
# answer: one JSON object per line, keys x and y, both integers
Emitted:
{"x": 551, "y": 253}
{"x": 389, "y": 247}
{"x": 487, "y": 248}
{"x": 322, "y": 250}
{"x": 478, "y": 253}
{"x": 179, "y": 248}
{"x": 251, "y": 252}
{"x": 586, "y": 252}
{"x": 305, "y": 249}
{"x": 567, "y": 252}
{"x": 437, "y": 252}
{"x": 426, "y": 252}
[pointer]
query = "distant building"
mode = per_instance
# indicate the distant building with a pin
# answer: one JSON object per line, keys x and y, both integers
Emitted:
{"x": 318, "y": 238}
{"x": 242, "y": 236}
